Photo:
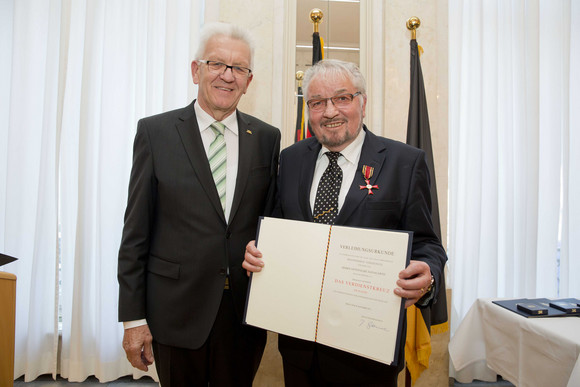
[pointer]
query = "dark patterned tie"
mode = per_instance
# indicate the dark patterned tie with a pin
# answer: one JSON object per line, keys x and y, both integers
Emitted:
{"x": 326, "y": 202}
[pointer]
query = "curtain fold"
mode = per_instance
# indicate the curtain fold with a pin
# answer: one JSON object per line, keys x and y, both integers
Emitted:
{"x": 570, "y": 249}
{"x": 29, "y": 221}
{"x": 81, "y": 73}
{"x": 513, "y": 192}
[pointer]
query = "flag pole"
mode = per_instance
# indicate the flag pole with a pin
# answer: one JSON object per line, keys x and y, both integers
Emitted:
{"x": 414, "y": 314}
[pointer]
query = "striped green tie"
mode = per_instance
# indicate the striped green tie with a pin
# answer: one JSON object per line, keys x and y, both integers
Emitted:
{"x": 217, "y": 160}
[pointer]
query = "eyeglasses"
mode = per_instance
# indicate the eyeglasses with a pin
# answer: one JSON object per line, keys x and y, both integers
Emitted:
{"x": 220, "y": 68}
{"x": 343, "y": 100}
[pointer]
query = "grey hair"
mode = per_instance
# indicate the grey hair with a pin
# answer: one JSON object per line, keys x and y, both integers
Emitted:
{"x": 334, "y": 67}
{"x": 210, "y": 30}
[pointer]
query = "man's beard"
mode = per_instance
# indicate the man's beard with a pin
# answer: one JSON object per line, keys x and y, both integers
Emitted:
{"x": 337, "y": 139}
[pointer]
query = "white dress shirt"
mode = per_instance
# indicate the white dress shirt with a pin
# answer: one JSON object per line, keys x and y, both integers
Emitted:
{"x": 204, "y": 120}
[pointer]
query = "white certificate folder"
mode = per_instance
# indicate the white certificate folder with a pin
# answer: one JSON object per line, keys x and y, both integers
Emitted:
{"x": 330, "y": 284}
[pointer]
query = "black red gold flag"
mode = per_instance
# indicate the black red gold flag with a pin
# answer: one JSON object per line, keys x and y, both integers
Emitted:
{"x": 300, "y": 117}
{"x": 422, "y": 322}
{"x": 302, "y": 130}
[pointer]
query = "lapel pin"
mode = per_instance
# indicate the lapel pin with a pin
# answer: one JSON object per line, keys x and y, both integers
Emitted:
{"x": 368, "y": 173}
{"x": 248, "y": 131}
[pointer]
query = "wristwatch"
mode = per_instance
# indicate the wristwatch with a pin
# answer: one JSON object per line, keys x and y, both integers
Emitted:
{"x": 429, "y": 293}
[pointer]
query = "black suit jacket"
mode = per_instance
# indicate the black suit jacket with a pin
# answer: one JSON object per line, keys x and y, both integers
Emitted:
{"x": 402, "y": 202}
{"x": 177, "y": 246}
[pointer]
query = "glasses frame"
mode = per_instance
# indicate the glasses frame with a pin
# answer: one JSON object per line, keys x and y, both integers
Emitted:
{"x": 240, "y": 69}
{"x": 334, "y": 100}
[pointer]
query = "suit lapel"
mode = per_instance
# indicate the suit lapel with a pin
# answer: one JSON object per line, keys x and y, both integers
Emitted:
{"x": 247, "y": 146}
{"x": 373, "y": 154}
{"x": 308, "y": 162}
{"x": 189, "y": 132}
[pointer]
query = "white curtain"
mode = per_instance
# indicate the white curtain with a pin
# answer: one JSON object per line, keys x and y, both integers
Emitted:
{"x": 514, "y": 140}
{"x": 76, "y": 76}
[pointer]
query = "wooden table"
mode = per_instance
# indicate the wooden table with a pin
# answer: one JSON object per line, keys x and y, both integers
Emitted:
{"x": 7, "y": 319}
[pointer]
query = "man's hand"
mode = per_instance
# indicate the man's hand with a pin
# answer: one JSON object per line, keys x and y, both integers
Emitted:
{"x": 137, "y": 346}
{"x": 413, "y": 282}
{"x": 252, "y": 258}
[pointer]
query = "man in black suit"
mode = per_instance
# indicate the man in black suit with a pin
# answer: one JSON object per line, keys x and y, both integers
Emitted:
{"x": 398, "y": 177}
{"x": 201, "y": 177}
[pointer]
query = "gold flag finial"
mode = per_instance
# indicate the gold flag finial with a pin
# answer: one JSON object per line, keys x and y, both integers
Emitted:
{"x": 412, "y": 24}
{"x": 299, "y": 77}
{"x": 316, "y": 16}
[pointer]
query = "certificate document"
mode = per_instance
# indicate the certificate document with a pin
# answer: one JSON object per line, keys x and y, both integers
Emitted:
{"x": 330, "y": 284}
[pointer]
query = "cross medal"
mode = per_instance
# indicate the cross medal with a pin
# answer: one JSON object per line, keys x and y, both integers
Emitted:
{"x": 368, "y": 173}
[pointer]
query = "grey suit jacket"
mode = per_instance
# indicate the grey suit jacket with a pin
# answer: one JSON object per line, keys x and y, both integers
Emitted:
{"x": 177, "y": 247}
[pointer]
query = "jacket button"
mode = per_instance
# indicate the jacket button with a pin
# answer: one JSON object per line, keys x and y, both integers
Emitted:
{"x": 222, "y": 271}
{"x": 228, "y": 234}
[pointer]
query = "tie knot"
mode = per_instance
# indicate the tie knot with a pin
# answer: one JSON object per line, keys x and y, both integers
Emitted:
{"x": 333, "y": 157}
{"x": 218, "y": 128}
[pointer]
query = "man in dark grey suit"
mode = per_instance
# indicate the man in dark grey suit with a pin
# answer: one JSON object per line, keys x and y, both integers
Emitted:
{"x": 342, "y": 165}
{"x": 201, "y": 177}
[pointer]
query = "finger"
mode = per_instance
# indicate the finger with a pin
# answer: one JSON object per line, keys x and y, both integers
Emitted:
{"x": 410, "y": 294}
{"x": 140, "y": 365}
{"x": 253, "y": 260}
{"x": 134, "y": 357}
{"x": 147, "y": 354}
{"x": 252, "y": 264}
{"x": 418, "y": 283}
{"x": 415, "y": 268}
{"x": 412, "y": 283}
{"x": 253, "y": 250}
{"x": 410, "y": 302}
{"x": 144, "y": 361}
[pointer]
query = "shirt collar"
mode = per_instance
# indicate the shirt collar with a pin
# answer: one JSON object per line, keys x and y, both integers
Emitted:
{"x": 352, "y": 152}
{"x": 204, "y": 120}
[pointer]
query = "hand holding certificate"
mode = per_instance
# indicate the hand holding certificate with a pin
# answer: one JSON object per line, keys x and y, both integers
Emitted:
{"x": 330, "y": 284}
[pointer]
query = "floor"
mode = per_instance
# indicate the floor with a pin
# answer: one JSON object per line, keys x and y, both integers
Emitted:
{"x": 477, "y": 383}
{"x": 46, "y": 381}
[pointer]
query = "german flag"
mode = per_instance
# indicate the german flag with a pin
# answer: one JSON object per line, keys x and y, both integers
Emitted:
{"x": 300, "y": 117}
{"x": 302, "y": 130}
{"x": 421, "y": 323}
{"x": 317, "y": 48}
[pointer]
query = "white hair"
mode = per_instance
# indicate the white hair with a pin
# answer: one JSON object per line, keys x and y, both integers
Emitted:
{"x": 210, "y": 30}
{"x": 334, "y": 67}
